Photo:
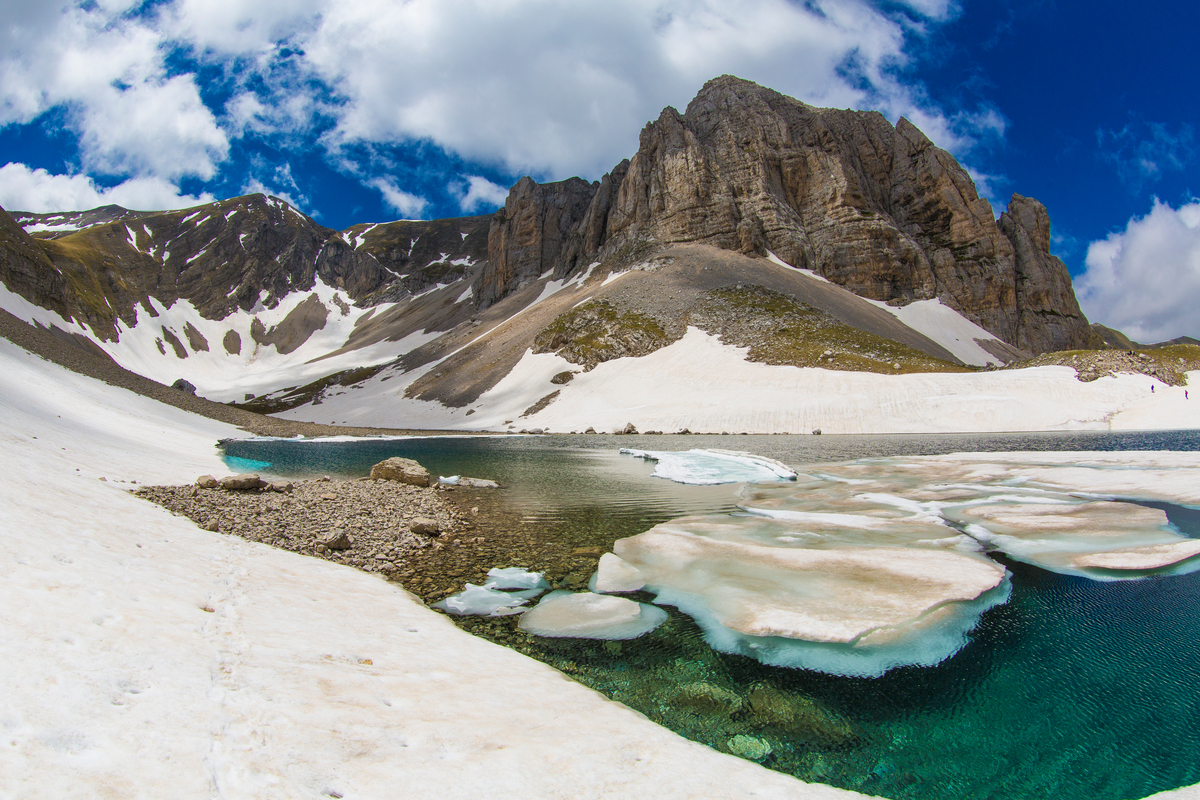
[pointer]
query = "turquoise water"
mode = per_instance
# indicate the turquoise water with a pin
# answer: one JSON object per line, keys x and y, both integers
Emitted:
{"x": 1073, "y": 689}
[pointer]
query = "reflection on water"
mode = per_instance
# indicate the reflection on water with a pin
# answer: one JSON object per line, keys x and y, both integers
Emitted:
{"x": 1073, "y": 689}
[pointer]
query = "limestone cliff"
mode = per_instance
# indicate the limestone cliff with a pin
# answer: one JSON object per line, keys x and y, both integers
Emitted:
{"x": 874, "y": 207}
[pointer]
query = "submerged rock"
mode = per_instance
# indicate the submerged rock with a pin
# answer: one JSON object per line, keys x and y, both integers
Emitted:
{"x": 707, "y": 698}
{"x": 798, "y": 716}
{"x": 749, "y": 747}
{"x": 401, "y": 470}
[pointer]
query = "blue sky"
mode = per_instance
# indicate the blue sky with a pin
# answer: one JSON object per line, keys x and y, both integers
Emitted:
{"x": 369, "y": 110}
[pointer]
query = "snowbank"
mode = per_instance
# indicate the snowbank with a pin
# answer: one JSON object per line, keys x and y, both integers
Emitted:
{"x": 148, "y": 658}
{"x": 705, "y": 386}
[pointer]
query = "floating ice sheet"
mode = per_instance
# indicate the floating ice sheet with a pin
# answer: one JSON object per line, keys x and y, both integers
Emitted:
{"x": 485, "y": 602}
{"x": 591, "y": 616}
{"x": 515, "y": 578}
{"x": 707, "y": 467}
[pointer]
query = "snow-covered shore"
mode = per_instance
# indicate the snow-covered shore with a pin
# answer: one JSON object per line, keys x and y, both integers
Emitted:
{"x": 148, "y": 658}
{"x": 706, "y": 386}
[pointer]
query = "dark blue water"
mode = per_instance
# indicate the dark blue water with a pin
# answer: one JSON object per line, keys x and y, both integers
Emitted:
{"x": 1074, "y": 689}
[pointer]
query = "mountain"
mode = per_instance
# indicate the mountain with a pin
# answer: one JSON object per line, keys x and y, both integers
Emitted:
{"x": 872, "y": 207}
{"x": 788, "y": 235}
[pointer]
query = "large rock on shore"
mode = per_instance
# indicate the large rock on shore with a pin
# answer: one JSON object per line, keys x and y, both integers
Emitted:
{"x": 401, "y": 470}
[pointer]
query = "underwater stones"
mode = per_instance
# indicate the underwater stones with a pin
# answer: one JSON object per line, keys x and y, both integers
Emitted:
{"x": 614, "y": 574}
{"x": 1077, "y": 538}
{"x": 591, "y": 616}
{"x": 836, "y": 595}
{"x": 401, "y": 470}
{"x": 798, "y": 716}
{"x": 707, "y": 698}
{"x": 751, "y": 748}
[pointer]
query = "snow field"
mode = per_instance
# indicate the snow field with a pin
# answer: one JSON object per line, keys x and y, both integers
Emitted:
{"x": 703, "y": 385}
{"x": 148, "y": 658}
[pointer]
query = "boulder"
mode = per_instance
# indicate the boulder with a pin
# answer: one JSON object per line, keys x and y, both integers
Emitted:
{"x": 280, "y": 486}
{"x": 425, "y": 526}
{"x": 337, "y": 540}
{"x": 242, "y": 483}
{"x": 207, "y": 482}
{"x": 184, "y": 386}
{"x": 401, "y": 470}
{"x": 630, "y": 430}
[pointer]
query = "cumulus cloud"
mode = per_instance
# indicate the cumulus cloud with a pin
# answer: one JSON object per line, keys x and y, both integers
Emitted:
{"x": 561, "y": 89}
{"x": 480, "y": 193}
{"x": 25, "y": 189}
{"x": 1145, "y": 280}
{"x": 527, "y": 86}
{"x": 407, "y": 204}
{"x": 108, "y": 71}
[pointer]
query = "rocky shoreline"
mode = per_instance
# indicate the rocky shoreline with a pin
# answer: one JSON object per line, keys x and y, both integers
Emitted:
{"x": 432, "y": 540}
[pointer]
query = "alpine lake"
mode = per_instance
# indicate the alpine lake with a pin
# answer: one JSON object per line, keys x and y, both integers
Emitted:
{"x": 1074, "y": 688}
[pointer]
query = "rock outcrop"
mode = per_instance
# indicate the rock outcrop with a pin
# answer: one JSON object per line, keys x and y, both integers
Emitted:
{"x": 878, "y": 209}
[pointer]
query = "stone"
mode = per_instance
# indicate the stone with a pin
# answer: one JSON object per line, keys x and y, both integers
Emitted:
{"x": 424, "y": 526}
{"x": 184, "y": 386}
{"x": 629, "y": 430}
{"x": 799, "y": 716}
{"x": 401, "y": 470}
{"x": 590, "y": 430}
{"x": 751, "y": 748}
{"x": 707, "y": 698}
{"x": 207, "y": 482}
{"x": 337, "y": 540}
{"x": 285, "y": 487}
{"x": 242, "y": 483}
{"x": 566, "y": 376}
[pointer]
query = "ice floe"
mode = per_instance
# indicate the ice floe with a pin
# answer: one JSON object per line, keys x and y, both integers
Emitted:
{"x": 860, "y": 567}
{"x": 515, "y": 578}
{"x": 614, "y": 574}
{"x": 707, "y": 467}
{"x": 585, "y": 615}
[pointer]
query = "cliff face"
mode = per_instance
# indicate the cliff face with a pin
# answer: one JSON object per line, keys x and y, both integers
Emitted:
{"x": 876, "y": 208}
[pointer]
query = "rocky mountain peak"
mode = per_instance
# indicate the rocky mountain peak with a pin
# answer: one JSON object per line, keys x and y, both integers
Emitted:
{"x": 874, "y": 207}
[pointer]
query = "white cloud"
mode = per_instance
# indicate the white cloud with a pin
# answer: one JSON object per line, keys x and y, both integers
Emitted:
{"x": 481, "y": 193}
{"x": 538, "y": 86}
{"x": 25, "y": 189}
{"x": 108, "y": 71}
{"x": 562, "y": 89}
{"x": 1145, "y": 280}
{"x": 408, "y": 205}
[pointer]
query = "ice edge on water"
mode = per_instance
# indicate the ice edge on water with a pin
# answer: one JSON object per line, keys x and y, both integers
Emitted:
{"x": 711, "y": 467}
{"x": 924, "y": 646}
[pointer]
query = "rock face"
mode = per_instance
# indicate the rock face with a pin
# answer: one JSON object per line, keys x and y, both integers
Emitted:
{"x": 402, "y": 470}
{"x": 876, "y": 208}
{"x": 527, "y": 236}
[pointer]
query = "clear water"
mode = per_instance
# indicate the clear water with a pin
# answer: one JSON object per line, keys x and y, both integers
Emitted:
{"x": 1073, "y": 689}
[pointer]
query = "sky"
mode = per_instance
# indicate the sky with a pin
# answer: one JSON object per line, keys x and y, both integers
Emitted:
{"x": 372, "y": 110}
